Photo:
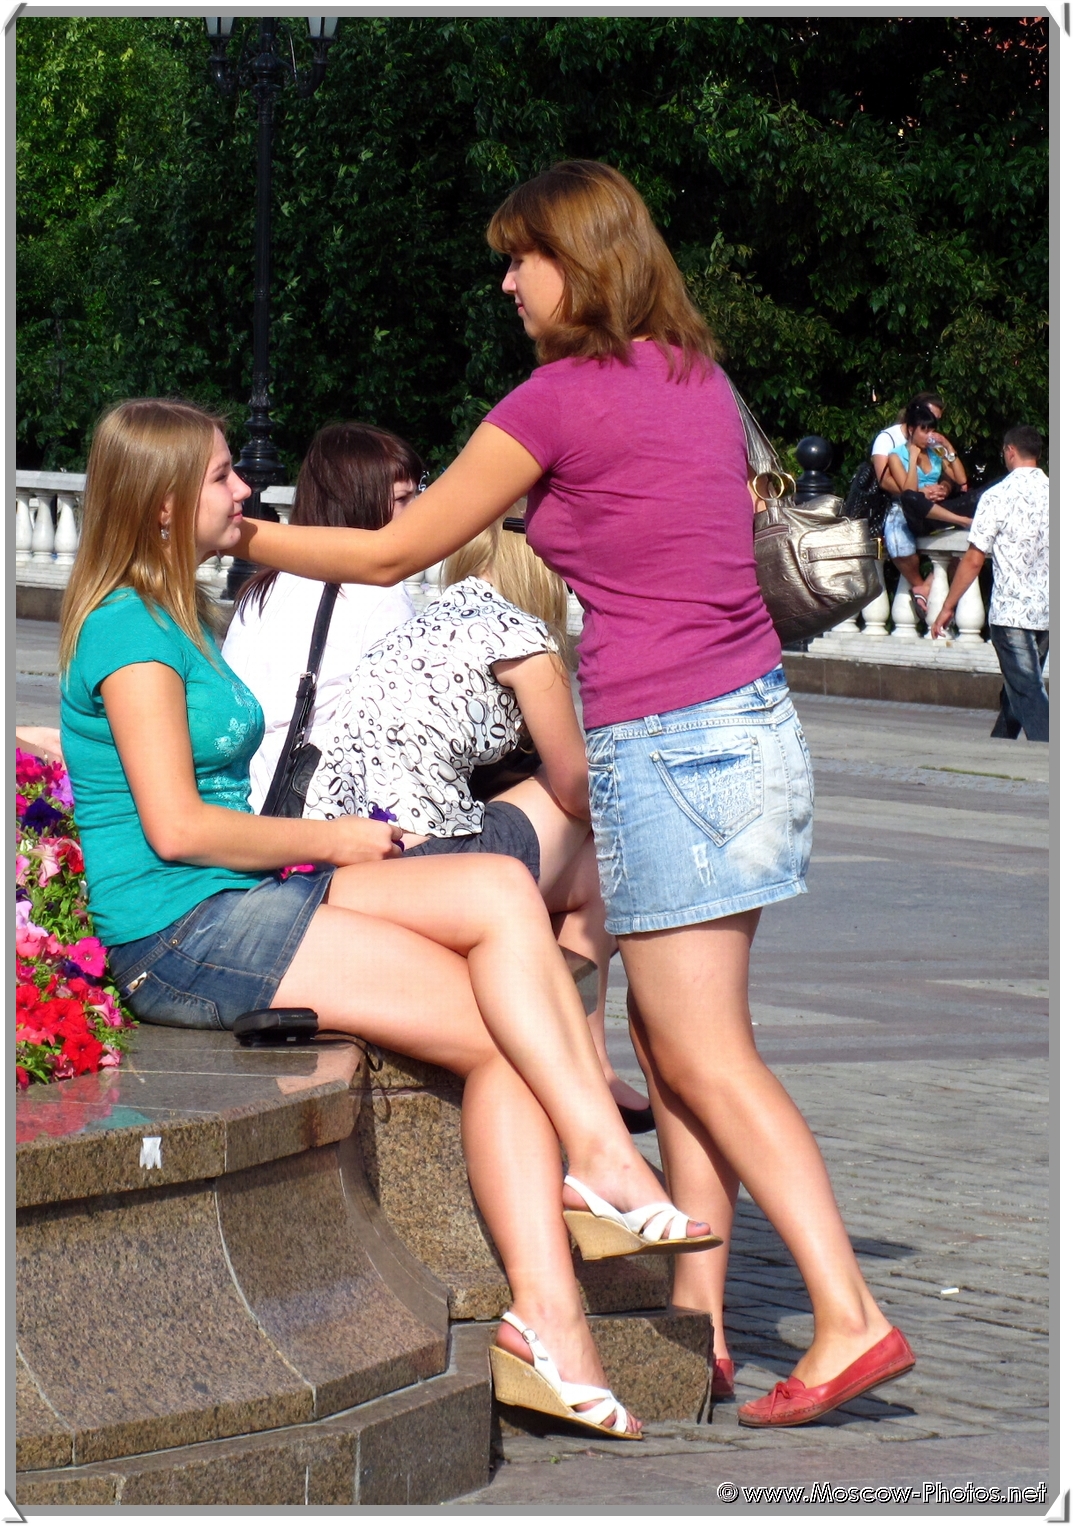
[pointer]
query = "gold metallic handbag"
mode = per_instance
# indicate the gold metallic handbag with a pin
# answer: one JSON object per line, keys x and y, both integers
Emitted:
{"x": 815, "y": 568}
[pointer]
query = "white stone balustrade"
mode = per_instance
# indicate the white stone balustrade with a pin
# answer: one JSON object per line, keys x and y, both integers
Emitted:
{"x": 48, "y": 516}
{"x": 908, "y": 642}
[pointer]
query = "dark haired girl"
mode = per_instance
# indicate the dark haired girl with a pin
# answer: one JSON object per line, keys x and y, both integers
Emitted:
{"x": 355, "y": 476}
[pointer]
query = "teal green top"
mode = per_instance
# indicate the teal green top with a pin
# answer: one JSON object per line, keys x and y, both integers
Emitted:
{"x": 132, "y": 890}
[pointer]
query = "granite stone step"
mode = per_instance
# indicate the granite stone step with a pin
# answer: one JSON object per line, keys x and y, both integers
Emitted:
{"x": 272, "y": 1255}
{"x": 206, "y": 1212}
{"x": 422, "y": 1445}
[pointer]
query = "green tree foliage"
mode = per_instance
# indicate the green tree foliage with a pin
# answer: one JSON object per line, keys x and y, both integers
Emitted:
{"x": 859, "y": 206}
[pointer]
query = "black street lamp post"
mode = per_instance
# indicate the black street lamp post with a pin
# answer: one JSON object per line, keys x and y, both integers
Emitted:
{"x": 263, "y": 71}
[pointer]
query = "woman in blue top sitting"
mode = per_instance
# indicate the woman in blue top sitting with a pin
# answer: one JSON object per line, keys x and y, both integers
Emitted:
{"x": 927, "y": 476}
{"x": 448, "y": 959}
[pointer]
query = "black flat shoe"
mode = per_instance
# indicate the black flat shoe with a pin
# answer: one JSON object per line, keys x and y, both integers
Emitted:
{"x": 639, "y": 1120}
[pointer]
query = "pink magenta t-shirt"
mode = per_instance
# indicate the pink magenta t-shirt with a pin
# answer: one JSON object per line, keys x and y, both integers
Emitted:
{"x": 644, "y": 509}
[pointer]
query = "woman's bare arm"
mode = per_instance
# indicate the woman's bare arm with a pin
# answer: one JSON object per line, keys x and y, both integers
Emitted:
{"x": 145, "y": 703}
{"x": 903, "y": 477}
{"x": 881, "y": 467}
{"x": 491, "y": 473}
{"x": 541, "y": 686}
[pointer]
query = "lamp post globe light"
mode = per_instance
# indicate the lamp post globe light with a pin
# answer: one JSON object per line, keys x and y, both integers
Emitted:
{"x": 264, "y": 71}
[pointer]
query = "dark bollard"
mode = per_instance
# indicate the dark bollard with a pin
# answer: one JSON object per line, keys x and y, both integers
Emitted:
{"x": 815, "y": 455}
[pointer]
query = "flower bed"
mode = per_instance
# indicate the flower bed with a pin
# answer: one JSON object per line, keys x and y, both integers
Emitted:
{"x": 68, "y": 1018}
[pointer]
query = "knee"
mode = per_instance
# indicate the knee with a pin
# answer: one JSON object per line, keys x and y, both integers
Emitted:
{"x": 697, "y": 1078}
{"x": 505, "y": 887}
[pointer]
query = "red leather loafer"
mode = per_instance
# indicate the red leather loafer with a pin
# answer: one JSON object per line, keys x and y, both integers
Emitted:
{"x": 723, "y": 1378}
{"x": 791, "y": 1403}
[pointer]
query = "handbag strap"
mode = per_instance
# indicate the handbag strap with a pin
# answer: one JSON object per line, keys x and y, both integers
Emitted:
{"x": 763, "y": 458}
{"x": 298, "y": 730}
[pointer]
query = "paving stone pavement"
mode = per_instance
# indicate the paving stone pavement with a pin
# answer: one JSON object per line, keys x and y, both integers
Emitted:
{"x": 903, "y": 1002}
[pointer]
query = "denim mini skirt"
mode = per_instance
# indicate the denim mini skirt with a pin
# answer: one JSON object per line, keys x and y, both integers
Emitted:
{"x": 224, "y": 957}
{"x": 701, "y": 812}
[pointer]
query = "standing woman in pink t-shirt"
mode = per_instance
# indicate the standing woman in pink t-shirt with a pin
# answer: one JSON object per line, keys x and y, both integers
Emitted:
{"x": 628, "y": 443}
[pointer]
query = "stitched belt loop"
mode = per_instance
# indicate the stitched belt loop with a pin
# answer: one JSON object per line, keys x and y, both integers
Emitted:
{"x": 652, "y": 725}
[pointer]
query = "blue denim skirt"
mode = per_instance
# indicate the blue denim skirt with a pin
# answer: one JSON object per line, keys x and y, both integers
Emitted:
{"x": 224, "y": 957}
{"x": 701, "y": 812}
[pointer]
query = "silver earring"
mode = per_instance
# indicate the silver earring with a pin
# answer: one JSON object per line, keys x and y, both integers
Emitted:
{"x": 165, "y": 533}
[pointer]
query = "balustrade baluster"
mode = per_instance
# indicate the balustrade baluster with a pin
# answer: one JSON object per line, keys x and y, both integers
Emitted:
{"x": 970, "y": 615}
{"x": 66, "y": 542}
{"x": 24, "y": 526}
{"x": 876, "y": 613}
{"x": 44, "y": 536}
{"x": 843, "y": 628}
{"x": 940, "y": 586}
{"x": 904, "y": 612}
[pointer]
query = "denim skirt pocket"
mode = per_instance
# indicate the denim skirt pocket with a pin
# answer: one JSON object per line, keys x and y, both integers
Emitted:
{"x": 153, "y": 1000}
{"x": 720, "y": 788}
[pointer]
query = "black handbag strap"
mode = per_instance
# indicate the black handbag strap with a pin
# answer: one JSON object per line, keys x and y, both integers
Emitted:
{"x": 298, "y": 730}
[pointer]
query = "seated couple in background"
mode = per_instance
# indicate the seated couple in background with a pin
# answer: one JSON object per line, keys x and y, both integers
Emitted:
{"x": 920, "y": 468}
{"x": 448, "y": 958}
{"x": 407, "y": 709}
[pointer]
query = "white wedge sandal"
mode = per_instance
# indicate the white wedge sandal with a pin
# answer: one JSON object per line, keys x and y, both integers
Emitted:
{"x": 538, "y": 1386}
{"x": 602, "y": 1231}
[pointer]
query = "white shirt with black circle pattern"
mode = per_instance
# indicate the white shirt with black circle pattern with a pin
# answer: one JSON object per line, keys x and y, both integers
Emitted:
{"x": 423, "y": 709}
{"x": 1011, "y": 525}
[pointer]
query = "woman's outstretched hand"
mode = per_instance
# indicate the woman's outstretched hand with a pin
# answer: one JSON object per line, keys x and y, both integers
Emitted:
{"x": 492, "y": 472}
{"x": 357, "y": 840}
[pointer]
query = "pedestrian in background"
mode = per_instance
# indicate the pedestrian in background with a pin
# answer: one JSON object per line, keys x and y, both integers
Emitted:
{"x": 900, "y": 542}
{"x": 1011, "y": 526}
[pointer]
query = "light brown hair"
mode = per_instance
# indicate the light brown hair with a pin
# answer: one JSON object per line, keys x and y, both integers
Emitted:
{"x": 514, "y": 569}
{"x": 621, "y": 282}
{"x": 143, "y": 451}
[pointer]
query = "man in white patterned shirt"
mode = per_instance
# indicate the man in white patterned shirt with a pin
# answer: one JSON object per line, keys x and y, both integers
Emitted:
{"x": 1011, "y": 525}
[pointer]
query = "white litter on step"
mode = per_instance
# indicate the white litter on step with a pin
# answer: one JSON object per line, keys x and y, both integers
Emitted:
{"x": 151, "y": 1153}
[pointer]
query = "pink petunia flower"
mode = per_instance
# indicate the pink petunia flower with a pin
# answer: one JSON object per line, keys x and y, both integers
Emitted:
{"x": 28, "y": 769}
{"x": 88, "y": 954}
{"x": 106, "y": 1009}
{"x": 31, "y": 941}
{"x": 49, "y": 858}
{"x": 60, "y": 790}
{"x": 22, "y": 863}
